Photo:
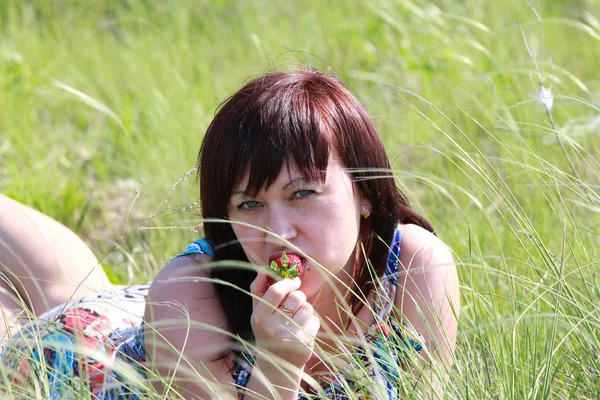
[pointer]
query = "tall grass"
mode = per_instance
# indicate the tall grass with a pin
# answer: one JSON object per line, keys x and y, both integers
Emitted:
{"x": 489, "y": 111}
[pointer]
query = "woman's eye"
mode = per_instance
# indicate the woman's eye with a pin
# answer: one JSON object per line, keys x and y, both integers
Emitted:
{"x": 303, "y": 193}
{"x": 248, "y": 205}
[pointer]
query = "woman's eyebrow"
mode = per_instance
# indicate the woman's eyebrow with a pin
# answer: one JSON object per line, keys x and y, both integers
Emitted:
{"x": 295, "y": 180}
{"x": 290, "y": 183}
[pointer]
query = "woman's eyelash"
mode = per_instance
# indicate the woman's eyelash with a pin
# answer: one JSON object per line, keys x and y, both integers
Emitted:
{"x": 306, "y": 192}
{"x": 242, "y": 208}
{"x": 253, "y": 204}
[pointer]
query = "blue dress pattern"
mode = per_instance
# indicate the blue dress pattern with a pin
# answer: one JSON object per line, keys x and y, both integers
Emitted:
{"x": 69, "y": 345}
{"x": 78, "y": 348}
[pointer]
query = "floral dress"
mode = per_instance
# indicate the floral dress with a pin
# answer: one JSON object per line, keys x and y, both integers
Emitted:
{"x": 96, "y": 345}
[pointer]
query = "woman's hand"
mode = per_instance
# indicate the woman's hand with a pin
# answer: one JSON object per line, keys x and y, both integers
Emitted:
{"x": 185, "y": 318}
{"x": 289, "y": 336}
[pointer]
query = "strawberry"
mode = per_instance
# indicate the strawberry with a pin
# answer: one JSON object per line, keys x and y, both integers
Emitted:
{"x": 285, "y": 267}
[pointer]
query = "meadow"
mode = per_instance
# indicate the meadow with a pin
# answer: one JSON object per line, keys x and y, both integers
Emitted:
{"x": 489, "y": 110}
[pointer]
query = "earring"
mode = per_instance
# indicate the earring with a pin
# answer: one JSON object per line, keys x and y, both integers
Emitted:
{"x": 366, "y": 211}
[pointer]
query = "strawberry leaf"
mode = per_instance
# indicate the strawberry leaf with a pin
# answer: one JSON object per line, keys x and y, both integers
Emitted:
{"x": 293, "y": 270}
{"x": 273, "y": 270}
{"x": 284, "y": 260}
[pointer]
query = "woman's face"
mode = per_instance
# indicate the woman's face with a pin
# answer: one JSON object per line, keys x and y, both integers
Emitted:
{"x": 321, "y": 219}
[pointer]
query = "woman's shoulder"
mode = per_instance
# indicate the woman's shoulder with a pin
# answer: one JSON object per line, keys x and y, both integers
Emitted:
{"x": 184, "y": 316}
{"x": 183, "y": 287}
{"x": 194, "y": 262}
{"x": 419, "y": 243}
{"x": 186, "y": 278}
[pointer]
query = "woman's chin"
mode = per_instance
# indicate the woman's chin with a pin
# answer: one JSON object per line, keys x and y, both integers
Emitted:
{"x": 306, "y": 287}
{"x": 311, "y": 287}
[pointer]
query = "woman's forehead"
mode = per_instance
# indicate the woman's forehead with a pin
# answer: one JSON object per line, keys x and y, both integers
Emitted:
{"x": 290, "y": 173}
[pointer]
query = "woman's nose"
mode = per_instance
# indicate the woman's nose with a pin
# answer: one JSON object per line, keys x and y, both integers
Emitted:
{"x": 281, "y": 222}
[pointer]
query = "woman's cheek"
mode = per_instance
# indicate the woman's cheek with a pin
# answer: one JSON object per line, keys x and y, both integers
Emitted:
{"x": 245, "y": 238}
{"x": 253, "y": 252}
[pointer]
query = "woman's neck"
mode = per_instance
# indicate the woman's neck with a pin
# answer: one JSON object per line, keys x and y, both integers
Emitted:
{"x": 334, "y": 301}
{"x": 339, "y": 329}
{"x": 339, "y": 325}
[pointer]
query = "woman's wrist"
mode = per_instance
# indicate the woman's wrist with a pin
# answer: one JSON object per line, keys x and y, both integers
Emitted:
{"x": 272, "y": 381}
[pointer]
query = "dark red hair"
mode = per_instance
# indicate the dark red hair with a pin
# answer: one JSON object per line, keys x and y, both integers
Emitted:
{"x": 305, "y": 117}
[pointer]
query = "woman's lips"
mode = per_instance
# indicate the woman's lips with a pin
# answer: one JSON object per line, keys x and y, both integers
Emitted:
{"x": 303, "y": 270}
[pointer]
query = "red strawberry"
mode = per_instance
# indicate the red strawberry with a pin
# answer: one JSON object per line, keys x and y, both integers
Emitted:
{"x": 285, "y": 267}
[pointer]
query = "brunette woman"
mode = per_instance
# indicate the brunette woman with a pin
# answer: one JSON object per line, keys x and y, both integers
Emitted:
{"x": 290, "y": 163}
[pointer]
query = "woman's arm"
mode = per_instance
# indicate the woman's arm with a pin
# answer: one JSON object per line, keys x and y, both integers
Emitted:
{"x": 428, "y": 294}
{"x": 182, "y": 307}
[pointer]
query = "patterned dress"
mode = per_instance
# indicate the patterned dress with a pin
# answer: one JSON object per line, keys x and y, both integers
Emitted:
{"x": 71, "y": 344}
{"x": 95, "y": 345}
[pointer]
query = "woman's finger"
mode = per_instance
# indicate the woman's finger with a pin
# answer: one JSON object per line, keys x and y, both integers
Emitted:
{"x": 273, "y": 297}
{"x": 304, "y": 312}
{"x": 307, "y": 322}
{"x": 292, "y": 303}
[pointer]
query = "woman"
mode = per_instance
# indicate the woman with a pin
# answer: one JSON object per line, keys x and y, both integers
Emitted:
{"x": 291, "y": 163}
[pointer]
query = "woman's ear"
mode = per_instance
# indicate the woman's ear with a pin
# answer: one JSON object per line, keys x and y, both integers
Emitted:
{"x": 366, "y": 222}
{"x": 366, "y": 208}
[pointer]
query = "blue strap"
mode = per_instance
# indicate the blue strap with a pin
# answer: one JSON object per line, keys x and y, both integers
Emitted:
{"x": 393, "y": 260}
{"x": 205, "y": 246}
{"x": 200, "y": 246}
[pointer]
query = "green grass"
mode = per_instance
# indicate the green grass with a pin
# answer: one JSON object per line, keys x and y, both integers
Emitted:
{"x": 100, "y": 99}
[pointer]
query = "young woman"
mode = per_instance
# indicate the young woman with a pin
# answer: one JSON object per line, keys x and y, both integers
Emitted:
{"x": 291, "y": 163}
